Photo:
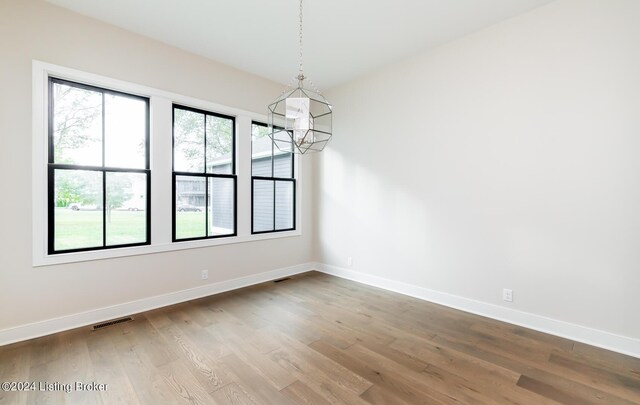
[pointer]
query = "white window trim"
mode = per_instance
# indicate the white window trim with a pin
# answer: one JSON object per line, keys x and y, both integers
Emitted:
{"x": 161, "y": 104}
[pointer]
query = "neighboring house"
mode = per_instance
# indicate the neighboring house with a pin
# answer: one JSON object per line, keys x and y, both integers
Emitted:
{"x": 191, "y": 191}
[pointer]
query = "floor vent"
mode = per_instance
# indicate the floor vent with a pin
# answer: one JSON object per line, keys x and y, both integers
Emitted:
{"x": 282, "y": 279}
{"x": 110, "y": 323}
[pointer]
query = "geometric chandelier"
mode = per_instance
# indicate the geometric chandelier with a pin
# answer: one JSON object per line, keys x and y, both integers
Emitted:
{"x": 300, "y": 120}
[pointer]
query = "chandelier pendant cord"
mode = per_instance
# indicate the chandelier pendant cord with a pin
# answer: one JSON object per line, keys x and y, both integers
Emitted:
{"x": 300, "y": 72}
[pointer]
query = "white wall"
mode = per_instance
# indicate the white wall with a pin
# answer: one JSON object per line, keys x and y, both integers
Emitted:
{"x": 37, "y": 30}
{"x": 505, "y": 159}
{"x": 508, "y": 158}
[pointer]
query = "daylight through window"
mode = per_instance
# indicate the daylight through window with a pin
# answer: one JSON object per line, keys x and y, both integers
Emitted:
{"x": 273, "y": 187}
{"x": 98, "y": 168}
{"x": 204, "y": 179}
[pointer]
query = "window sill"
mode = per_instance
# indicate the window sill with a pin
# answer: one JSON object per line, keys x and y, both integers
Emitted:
{"x": 63, "y": 258}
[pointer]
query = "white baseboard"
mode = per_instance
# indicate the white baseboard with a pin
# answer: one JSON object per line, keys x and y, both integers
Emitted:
{"x": 47, "y": 327}
{"x": 594, "y": 337}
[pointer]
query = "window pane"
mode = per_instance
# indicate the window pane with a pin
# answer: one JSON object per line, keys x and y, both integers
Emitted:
{"x": 126, "y": 205}
{"x": 188, "y": 132}
{"x": 219, "y": 145}
{"x": 190, "y": 204}
{"x": 77, "y": 209}
{"x": 77, "y": 125}
{"x": 125, "y": 126}
{"x": 284, "y": 205}
{"x": 261, "y": 151}
{"x": 263, "y": 205}
{"x": 282, "y": 164}
{"x": 221, "y": 206}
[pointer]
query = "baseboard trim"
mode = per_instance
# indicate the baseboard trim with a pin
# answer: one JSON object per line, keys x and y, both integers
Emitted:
{"x": 579, "y": 333}
{"x": 47, "y": 327}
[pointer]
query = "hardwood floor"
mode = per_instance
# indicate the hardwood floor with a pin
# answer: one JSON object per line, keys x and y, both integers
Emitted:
{"x": 317, "y": 339}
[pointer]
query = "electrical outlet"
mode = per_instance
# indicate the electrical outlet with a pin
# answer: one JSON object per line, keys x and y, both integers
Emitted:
{"x": 349, "y": 261}
{"x": 507, "y": 295}
{"x": 204, "y": 274}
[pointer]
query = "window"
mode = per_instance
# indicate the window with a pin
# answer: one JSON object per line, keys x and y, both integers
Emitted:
{"x": 96, "y": 141}
{"x": 98, "y": 168}
{"x": 204, "y": 179}
{"x": 273, "y": 186}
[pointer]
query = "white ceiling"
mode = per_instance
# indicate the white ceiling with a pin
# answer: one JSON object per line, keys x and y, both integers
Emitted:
{"x": 342, "y": 38}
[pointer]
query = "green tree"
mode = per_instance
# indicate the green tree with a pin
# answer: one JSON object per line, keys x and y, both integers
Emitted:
{"x": 219, "y": 137}
{"x": 68, "y": 191}
{"x": 75, "y": 112}
{"x": 119, "y": 191}
{"x": 189, "y": 133}
{"x": 76, "y": 186}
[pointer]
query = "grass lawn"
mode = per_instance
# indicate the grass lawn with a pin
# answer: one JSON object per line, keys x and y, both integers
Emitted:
{"x": 190, "y": 224}
{"x": 77, "y": 229}
{"x": 193, "y": 225}
{"x": 82, "y": 229}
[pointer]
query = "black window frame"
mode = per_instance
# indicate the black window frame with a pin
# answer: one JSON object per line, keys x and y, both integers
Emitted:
{"x": 203, "y": 175}
{"x": 292, "y": 179}
{"x": 52, "y": 167}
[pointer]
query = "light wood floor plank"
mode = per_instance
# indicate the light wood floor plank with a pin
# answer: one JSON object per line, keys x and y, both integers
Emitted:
{"x": 300, "y": 393}
{"x": 317, "y": 339}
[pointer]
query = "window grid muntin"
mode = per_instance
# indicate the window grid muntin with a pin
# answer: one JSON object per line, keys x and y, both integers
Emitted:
{"x": 274, "y": 179}
{"x": 52, "y": 167}
{"x": 204, "y": 174}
